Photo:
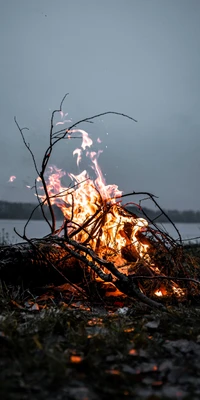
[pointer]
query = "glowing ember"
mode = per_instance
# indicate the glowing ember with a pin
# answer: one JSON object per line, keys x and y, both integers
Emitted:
{"x": 12, "y": 178}
{"x": 75, "y": 359}
{"x": 178, "y": 291}
{"x": 133, "y": 352}
{"x": 88, "y": 198}
{"x": 93, "y": 215}
{"x": 158, "y": 293}
{"x": 175, "y": 289}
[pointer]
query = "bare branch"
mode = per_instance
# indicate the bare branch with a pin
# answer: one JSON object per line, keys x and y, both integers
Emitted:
{"x": 161, "y": 277}
{"x": 26, "y": 144}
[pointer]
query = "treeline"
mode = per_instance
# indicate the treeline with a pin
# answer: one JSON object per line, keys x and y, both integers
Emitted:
{"x": 23, "y": 211}
{"x": 13, "y": 211}
{"x": 174, "y": 215}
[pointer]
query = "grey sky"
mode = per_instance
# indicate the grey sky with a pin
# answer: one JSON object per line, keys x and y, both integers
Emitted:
{"x": 139, "y": 57}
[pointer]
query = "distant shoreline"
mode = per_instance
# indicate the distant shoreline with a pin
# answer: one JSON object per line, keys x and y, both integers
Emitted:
{"x": 22, "y": 211}
{"x": 60, "y": 219}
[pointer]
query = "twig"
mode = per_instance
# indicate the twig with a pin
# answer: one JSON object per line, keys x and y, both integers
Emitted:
{"x": 92, "y": 226}
{"x": 88, "y": 119}
{"x": 26, "y": 144}
{"x": 170, "y": 278}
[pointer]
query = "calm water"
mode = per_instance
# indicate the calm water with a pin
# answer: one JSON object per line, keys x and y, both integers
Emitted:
{"x": 37, "y": 229}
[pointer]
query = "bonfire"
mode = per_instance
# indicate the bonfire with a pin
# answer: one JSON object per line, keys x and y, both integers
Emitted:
{"x": 127, "y": 254}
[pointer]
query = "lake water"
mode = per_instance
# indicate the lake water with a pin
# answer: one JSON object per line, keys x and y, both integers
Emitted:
{"x": 37, "y": 229}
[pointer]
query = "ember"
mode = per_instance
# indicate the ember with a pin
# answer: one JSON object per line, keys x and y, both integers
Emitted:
{"x": 100, "y": 239}
{"x": 108, "y": 227}
{"x": 94, "y": 216}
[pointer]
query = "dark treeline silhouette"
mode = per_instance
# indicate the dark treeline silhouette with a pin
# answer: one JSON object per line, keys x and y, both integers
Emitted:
{"x": 23, "y": 211}
{"x": 174, "y": 215}
{"x": 10, "y": 210}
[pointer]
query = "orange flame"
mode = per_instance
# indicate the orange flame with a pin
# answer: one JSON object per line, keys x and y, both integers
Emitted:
{"x": 88, "y": 197}
{"x": 92, "y": 210}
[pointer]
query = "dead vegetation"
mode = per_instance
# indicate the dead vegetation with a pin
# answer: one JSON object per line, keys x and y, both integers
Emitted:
{"x": 105, "y": 305}
{"x": 100, "y": 240}
{"x": 76, "y": 351}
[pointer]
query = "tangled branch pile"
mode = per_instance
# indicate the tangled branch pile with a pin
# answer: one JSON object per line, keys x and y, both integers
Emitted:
{"x": 100, "y": 240}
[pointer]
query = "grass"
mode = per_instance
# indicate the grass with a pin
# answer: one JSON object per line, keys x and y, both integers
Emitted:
{"x": 4, "y": 237}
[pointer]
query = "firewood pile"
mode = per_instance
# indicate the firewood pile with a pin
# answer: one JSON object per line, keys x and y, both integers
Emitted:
{"x": 100, "y": 241}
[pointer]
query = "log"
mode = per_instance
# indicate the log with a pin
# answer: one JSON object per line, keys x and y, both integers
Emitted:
{"x": 40, "y": 263}
{"x": 21, "y": 264}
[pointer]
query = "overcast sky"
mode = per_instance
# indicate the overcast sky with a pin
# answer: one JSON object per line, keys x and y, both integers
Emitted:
{"x": 139, "y": 57}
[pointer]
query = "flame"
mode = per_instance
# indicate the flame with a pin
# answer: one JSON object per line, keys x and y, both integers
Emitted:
{"x": 87, "y": 198}
{"x": 12, "y": 178}
{"x": 158, "y": 293}
{"x": 94, "y": 214}
{"x": 64, "y": 121}
{"x": 178, "y": 291}
{"x": 175, "y": 289}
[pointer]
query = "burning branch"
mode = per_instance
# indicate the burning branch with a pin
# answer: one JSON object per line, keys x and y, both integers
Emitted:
{"x": 107, "y": 240}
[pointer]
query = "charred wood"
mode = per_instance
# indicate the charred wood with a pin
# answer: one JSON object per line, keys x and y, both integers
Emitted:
{"x": 24, "y": 264}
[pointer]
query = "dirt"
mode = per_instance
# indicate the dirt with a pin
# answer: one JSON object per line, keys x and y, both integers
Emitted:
{"x": 56, "y": 347}
{"x": 80, "y": 353}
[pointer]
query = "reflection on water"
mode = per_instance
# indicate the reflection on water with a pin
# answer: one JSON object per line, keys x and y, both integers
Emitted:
{"x": 37, "y": 229}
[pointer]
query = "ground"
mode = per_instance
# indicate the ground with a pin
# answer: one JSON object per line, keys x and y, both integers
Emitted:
{"x": 79, "y": 352}
{"x": 56, "y": 346}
